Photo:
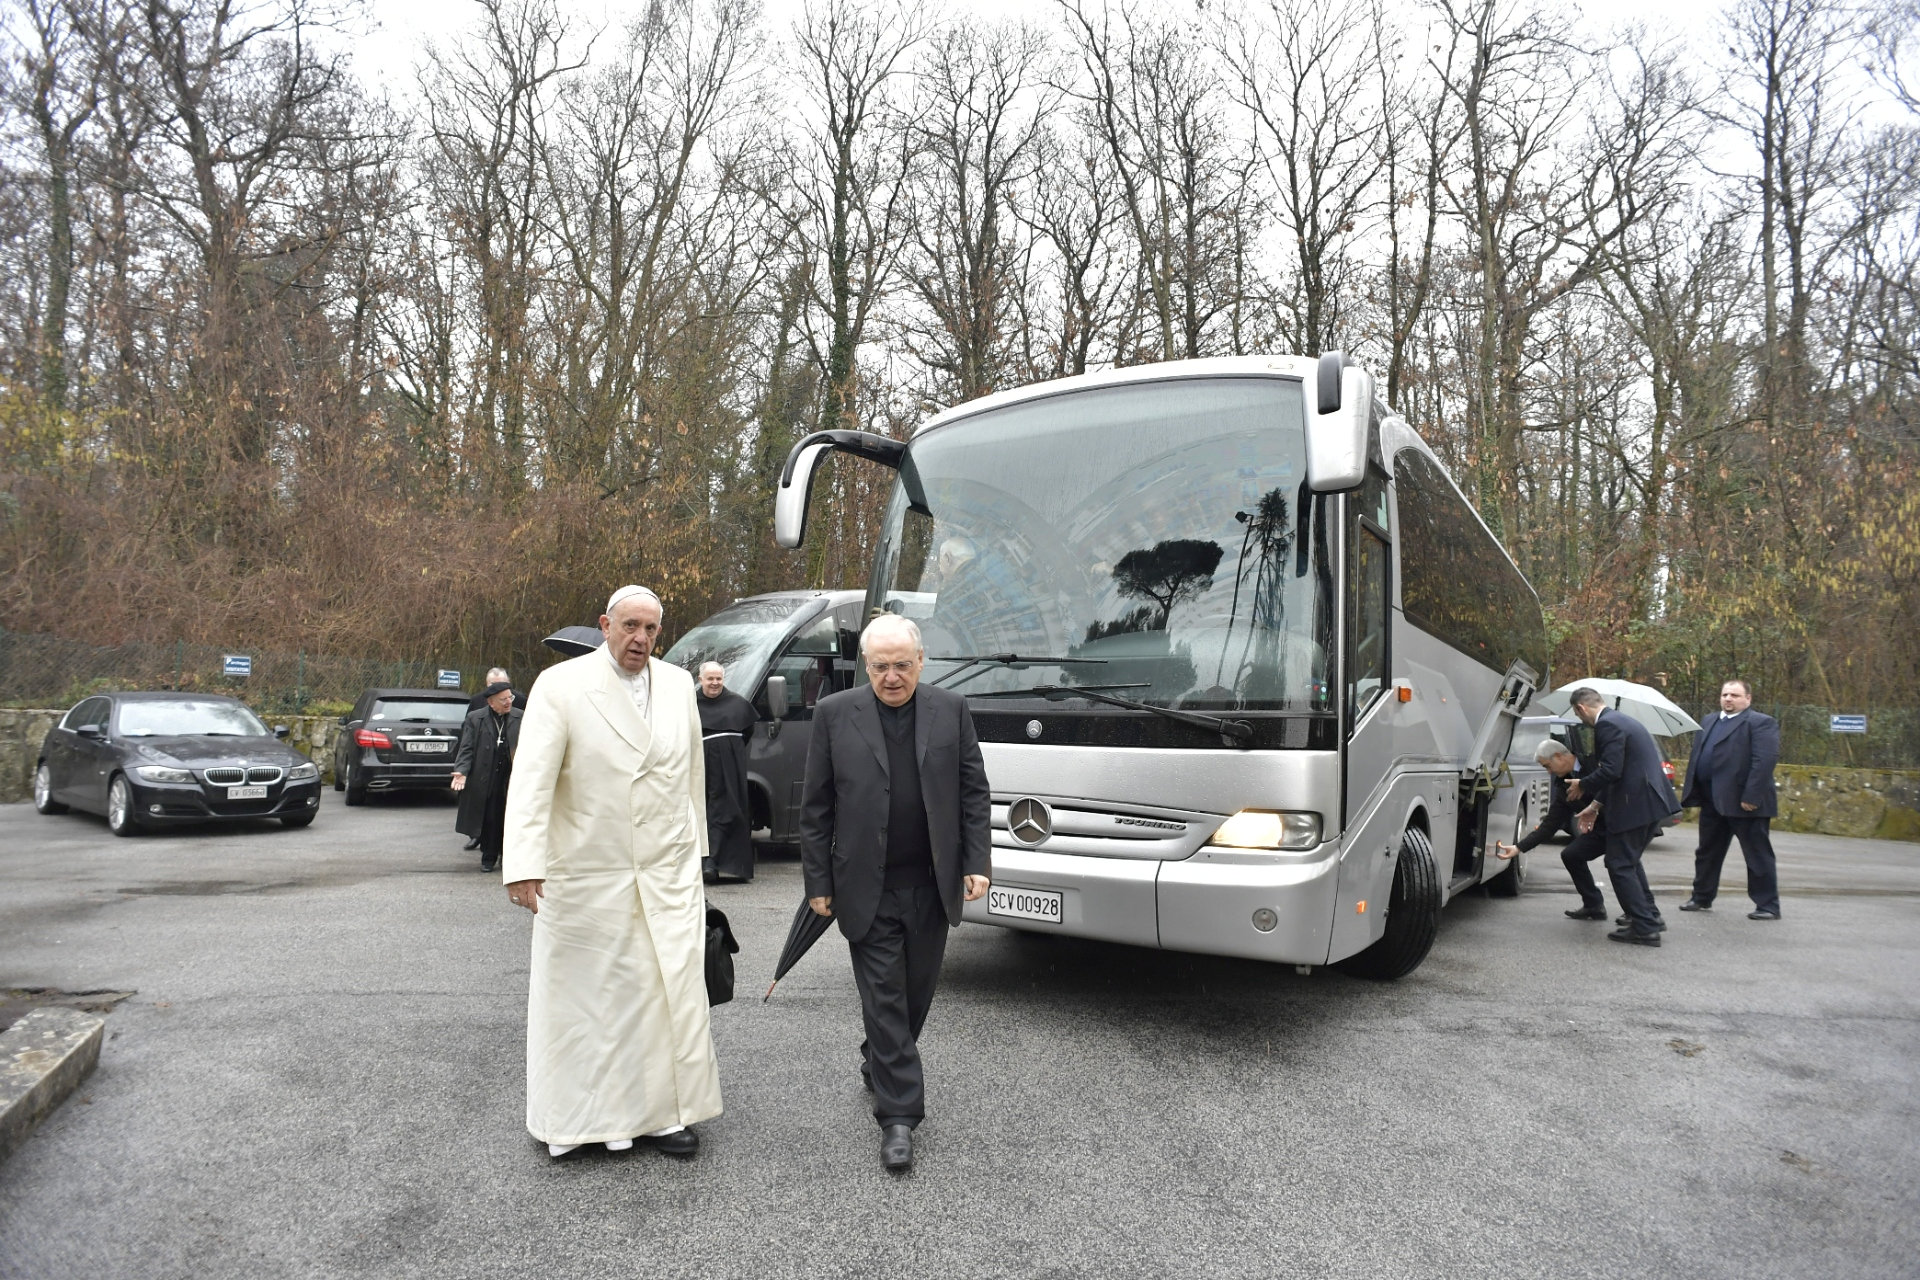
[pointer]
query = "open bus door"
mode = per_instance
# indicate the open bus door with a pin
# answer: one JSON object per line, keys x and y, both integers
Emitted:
{"x": 1484, "y": 774}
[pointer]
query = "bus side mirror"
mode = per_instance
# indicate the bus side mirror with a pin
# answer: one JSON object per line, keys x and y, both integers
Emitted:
{"x": 790, "y": 495}
{"x": 795, "y": 488}
{"x": 1337, "y": 427}
{"x": 777, "y": 697}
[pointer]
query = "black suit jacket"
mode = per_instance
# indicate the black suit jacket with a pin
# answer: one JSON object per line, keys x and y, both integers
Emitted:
{"x": 1626, "y": 777}
{"x": 843, "y": 814}
{"x": 1560, "y": 816}
{"x": 1743, "y": 761}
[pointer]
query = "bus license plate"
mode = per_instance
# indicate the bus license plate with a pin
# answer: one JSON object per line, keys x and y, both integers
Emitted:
{"x": 246, "y": 793}
{"x": 440, "y": 747}
{"x": 1025, "y": 904}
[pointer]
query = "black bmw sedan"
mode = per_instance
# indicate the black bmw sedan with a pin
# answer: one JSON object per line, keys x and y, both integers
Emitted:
{"x": 154, "y": 759}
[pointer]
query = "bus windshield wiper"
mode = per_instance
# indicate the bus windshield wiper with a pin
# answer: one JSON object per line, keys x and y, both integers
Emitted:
{"x": 1234, "y": 733}
{"x": 1005, "y": 660}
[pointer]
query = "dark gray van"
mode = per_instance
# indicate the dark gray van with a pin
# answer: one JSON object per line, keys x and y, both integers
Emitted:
{"x": 783, "y": 651}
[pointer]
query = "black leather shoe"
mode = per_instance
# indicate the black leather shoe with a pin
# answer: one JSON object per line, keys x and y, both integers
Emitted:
{"x": 1637, "y": 939}
{"x": 471, "y": 845}
{"x": 682, "y": 1144}
{"x": 1659, "y": 926}
{"x": 1763, "y": 915}
{"x": 489, "y": 866}
{"x": 896, "y": 1147}
{"x": 1694, "y": 904}
{"x": 1587, "y": 913}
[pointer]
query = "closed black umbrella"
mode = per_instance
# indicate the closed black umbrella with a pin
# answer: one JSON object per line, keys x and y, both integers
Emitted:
{"x": 574, "y": 641}
{"x": 808, "y": 925}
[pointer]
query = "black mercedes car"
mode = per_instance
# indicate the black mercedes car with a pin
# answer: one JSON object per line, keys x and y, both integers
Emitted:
{"x": 156, "y": 759}
{"x": 395, "y": 739}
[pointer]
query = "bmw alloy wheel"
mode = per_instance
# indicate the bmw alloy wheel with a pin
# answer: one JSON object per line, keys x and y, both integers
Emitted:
{"x": 43, "y": 791}
{"x": 120, "y": 819}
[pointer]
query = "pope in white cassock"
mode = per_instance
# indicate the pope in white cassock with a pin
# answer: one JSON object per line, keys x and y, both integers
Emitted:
{"x": 606, "y": 827}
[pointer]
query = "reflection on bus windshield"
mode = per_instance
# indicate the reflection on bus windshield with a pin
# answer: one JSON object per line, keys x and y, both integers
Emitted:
{"x": 1162, "y": 535}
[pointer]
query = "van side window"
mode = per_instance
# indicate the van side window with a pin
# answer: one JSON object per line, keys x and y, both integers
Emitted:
{"x": 1456, "y": 583}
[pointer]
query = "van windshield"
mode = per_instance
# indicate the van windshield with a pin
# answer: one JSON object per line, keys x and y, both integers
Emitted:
{"x": 1160, "y": 537}
{"x": 741, "y": 637}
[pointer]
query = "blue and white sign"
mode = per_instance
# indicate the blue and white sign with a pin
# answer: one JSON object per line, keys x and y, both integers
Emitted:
{"x": 449, "y": 679}
{"x": 236, "y": 664}
{"x": 1849, "y": 724}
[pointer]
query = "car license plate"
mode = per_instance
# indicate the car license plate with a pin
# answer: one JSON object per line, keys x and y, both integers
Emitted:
{"x": 1026, "y": 904}
{"x": 246, "y": 793}
{"x": 438, "y": 747}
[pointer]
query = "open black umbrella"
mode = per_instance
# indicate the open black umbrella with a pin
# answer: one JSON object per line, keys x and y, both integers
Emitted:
{"x": 808, "y": 925}
{"x": 574, "y": 641}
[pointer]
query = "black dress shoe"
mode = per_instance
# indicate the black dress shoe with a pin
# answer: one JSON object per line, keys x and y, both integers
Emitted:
{"x": 471, "y": 845}
{"x": 1659, "y": 926}
{"x": 1587, "y": 913}
{"x": 1763, "y": 915}
{"x": 1637, "y": 939}
{"x": 896, "y": 1147}
{"x": 1694, "y": 904}
{"x": 489, "y": 866}
{"x": 682, "y": 1143}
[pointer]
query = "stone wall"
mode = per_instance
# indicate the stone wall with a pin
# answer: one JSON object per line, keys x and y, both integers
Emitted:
{"x": 22, "y": 732}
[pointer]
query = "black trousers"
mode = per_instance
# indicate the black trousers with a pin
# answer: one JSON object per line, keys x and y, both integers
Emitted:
{"x": 896, "y": 967}
{"x": 1582, "y": 849}
{"x": 1717, "y": 831}
{"x": 1630, "y": 878}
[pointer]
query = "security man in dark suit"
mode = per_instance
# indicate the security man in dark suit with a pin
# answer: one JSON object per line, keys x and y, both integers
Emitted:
{"x": 893, "y": 835}
{"x": 1559, "y": 761}
{"x": 1628, "y": 785}
{"x": 1730, "y": 778}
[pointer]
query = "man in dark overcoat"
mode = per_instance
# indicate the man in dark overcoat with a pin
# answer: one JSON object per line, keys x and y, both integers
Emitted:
{"x": 1628, "y": 785}
{"x": 1730, "y": 779}
{"x": 481, "y": 771}
{"x": 893, "y": 836}
{"x": 726, "y": 722}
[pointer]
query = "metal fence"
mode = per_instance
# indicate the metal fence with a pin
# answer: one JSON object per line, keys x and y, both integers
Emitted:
{"x": 50, "y": 671}
{"x": 1892, "y": 739}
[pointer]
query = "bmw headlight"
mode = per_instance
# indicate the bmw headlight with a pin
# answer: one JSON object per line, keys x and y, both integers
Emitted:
{"x": 1268, "y": 829}
{"x": 162, "y": 773}
{"x": 302, "y": 772}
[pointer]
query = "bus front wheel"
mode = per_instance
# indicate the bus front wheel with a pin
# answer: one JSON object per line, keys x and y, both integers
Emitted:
{"x": 1413, "y": 915}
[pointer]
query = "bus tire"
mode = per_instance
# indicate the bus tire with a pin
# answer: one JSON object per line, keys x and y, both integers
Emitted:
{"x": 1413, "y": 915}
{"x": 1514, "y": 877}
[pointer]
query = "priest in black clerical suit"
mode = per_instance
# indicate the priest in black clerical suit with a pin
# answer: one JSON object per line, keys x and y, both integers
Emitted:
{"x": 726, "y": 722}
{"x": 893, "y": 837}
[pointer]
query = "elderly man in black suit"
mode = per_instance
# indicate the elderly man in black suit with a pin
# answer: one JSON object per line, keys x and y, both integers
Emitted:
{"x": 1730, "y": 778}
{"x": 1628, "y": 786}
{"x": 893, "y": 835}
{"x": 1559, "y": 761}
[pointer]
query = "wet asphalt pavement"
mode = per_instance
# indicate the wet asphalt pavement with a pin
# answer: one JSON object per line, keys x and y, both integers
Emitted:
{"x": 320, "y": 1073}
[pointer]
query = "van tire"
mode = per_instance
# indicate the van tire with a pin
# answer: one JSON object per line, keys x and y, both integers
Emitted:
{"x": 1513, "y": 877}
{"x": 1413, "y": 915}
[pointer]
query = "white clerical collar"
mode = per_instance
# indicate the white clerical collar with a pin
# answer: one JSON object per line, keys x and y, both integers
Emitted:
{"x": 639, "y": 683}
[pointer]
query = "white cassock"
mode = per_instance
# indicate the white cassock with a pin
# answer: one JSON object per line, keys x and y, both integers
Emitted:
{"x": 608, "y": 805}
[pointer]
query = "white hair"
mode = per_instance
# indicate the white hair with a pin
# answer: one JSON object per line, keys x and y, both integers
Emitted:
{"x": 892, "y": 624}
{"x": 715, "y": 665}
{"x": 1551, "y": 749}
{"x": 497, "y": 673}
{"x": 628, "y": 592}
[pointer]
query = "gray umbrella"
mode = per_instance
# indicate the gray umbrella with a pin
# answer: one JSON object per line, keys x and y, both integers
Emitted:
{"x": 574, "y": 641}
{"x": 1641, "y": 702}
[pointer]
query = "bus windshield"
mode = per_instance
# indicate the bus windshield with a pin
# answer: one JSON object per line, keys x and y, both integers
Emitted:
{"x": 1157, "y": 540}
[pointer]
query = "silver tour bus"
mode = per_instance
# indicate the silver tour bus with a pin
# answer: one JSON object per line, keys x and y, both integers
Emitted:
{"x": 1248, "y": 671}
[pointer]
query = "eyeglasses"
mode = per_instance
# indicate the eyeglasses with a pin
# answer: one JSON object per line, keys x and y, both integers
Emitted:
{"x": 882, "y": 668}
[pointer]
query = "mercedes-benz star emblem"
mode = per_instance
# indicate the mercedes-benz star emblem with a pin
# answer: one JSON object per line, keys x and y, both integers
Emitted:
{"x": 1029, "y": 821}
{"x": 1033, "y": 728}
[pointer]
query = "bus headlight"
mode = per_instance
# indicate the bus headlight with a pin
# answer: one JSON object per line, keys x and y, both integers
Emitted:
{"x": 1267, "y": 829}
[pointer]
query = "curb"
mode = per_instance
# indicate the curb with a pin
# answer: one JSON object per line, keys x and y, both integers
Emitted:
{"x": 43, "y": 1058}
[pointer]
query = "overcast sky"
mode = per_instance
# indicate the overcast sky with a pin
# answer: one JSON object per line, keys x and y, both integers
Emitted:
{"x": 397, "y": 31}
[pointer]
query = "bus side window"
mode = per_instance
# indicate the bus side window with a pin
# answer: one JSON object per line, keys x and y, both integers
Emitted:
{"x": 1370, "y": 603}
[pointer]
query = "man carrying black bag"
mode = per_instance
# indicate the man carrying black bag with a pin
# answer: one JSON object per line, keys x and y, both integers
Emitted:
{"x": 893, "y": 835}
